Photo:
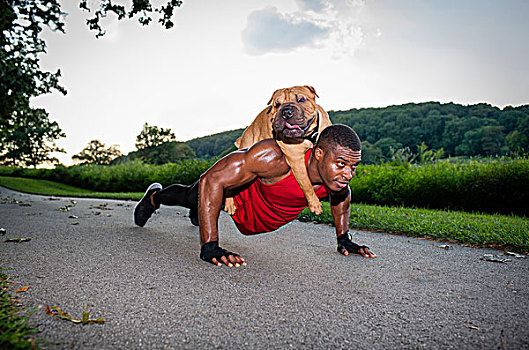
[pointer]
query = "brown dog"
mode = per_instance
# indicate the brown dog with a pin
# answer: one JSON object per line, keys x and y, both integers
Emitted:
{"x": 295, "y": 120}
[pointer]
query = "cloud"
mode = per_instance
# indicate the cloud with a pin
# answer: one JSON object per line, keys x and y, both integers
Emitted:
{"x": 333, "y": 25}
{"x": 311, "y": 5}
{"x": 270, "y": 31}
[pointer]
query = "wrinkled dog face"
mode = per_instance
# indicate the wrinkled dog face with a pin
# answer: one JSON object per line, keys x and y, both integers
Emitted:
{"x": 294, "y": 111}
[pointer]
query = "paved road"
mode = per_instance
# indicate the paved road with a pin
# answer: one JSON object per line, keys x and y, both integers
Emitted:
{"x": 296, "y": 292}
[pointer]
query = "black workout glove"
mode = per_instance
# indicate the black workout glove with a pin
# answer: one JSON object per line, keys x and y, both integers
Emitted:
{"x": 212, "y": 250}
{"x": 345, "y": 242}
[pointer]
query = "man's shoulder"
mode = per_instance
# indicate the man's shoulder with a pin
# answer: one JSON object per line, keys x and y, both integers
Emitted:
{"x": 269, "y": 147}
{"x": 266, "y": 159}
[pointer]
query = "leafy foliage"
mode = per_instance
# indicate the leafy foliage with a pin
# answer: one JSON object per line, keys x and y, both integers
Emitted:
{"x": 133, "y": 176}
{"x": 216, "y": 144}
{"x": 474, "y": 130}
{"x": 143, "y": 8}
{"x": 152, "y": 136}
{"x": 493, "y": 186}
{"x": 169, "y": 152}
{"x": 30, "y": 139}
{"x": 21, "y": 76}
{"x": 97, "y": 153}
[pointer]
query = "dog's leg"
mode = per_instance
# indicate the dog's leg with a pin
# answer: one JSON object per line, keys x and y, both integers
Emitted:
{"x": 229, "y": 205}
{"x": 295, "y": 157}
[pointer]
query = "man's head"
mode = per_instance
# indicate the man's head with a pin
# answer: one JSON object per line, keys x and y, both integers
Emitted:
{"x": 337, "y": 153}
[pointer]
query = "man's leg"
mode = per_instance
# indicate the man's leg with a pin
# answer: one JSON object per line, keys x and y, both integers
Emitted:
{"x": 182, "y": 195}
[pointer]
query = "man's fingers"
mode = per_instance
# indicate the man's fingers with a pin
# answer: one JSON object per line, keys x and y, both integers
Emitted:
{"x": 240, "y": 260}
{"x": 229, "y": 260}
{"x": 345, "y": 252}
{"x": 366, "y": 253}
{"x": 216, "y": 262}
{"x": 225, "y": 260}
{"x": 234, "y": 260}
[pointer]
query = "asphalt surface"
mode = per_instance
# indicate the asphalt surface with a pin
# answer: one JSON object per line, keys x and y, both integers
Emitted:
{"x": 296, "y": 292}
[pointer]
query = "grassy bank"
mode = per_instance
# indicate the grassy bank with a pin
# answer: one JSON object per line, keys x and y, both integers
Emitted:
{"x": 500, "y": 231}
{"x": 52, "y": 188}
{"x": 15, "y": 332}
{"x": 509, "y": 232}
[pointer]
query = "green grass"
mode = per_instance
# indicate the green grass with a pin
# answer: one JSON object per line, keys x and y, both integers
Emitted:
{"x": 499, "y": 231}
{"x": 51, "y": 188}
{"x": 509, "y": 232}
{"x": 15, "y": 332}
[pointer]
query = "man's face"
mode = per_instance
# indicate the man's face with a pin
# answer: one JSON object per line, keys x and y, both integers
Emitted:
{"x": 337, "y": 166}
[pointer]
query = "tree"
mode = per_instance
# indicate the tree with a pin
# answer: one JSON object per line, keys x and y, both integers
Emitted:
{"x": 21, "y": 23}
{"x": 151, "y": 136}
{"x": 143, "y": 8}
{"x": 371, "y": 154}
{"x": 169, "y": 152}
{"x": 517, "y": 142}
{"x": 96, "y": 153}
{"x": 30, "y": 141}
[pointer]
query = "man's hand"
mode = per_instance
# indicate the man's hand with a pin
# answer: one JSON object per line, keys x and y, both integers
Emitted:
{"x": 346, "y": 246}
{"x": 211, "y": 252}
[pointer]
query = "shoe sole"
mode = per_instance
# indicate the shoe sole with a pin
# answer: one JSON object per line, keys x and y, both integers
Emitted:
{"x": 151, "y": 187}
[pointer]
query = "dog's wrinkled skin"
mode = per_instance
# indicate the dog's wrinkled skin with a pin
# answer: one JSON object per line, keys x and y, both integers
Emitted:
{"x": 291, "y": 115}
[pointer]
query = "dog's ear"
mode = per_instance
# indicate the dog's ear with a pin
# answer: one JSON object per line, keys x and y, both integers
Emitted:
{"x": 311, "y": 89}
{"x": 274, "y": 95}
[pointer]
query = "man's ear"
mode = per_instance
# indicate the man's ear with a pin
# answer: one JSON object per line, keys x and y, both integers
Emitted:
{"x": 318, "y": 153}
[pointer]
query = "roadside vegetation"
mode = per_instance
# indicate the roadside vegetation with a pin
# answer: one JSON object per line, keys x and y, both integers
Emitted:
{"x": 499, "y": 231}
{"x": 15, "y": 332}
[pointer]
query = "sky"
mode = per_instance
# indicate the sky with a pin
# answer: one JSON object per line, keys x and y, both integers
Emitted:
{"x": 216, "y": 69}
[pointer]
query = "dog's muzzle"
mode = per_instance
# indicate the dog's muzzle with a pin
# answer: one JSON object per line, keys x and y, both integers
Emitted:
{"x": 290, "y": 120}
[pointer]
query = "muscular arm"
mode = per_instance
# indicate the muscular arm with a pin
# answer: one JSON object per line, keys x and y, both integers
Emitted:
{"x": 341, "y": 212}
{"x": 264, "y": 160}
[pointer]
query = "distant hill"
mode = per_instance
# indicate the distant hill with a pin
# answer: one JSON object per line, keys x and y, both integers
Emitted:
{"x": 216, "y": 144}
{"x": 169, "y": 152}
{"x": 473, "y": 130}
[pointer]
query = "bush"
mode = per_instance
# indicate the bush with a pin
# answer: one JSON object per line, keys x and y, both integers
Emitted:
{"x": 492, "y": 186}
{"x": 133, "y": 176}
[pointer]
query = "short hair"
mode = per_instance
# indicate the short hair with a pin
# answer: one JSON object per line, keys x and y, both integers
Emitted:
{"x": 339, "y": 135}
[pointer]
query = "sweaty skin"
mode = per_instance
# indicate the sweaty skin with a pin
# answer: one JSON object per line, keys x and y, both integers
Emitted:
{"x": 265, "y": 160}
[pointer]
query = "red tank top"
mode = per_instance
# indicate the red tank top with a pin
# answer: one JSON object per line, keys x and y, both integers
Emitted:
{"x": 265, "y": 208}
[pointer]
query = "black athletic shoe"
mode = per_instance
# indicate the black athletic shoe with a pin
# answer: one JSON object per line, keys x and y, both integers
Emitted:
{"x": 144, "y": 209}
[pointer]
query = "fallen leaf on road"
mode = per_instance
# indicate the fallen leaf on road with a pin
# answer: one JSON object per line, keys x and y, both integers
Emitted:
{"x": 516, "y": 255}
{"x": 102, "y": 206}
{"x": 2, "y": 231}
{"x": 73, "y": 217}
{"x": 445, "y": 246}
{"x": 57, "y": 311}
{"x": 18, "y": 240}
{"x": 25, "y": 205}
{"x": 75, "y": 223}
{"x": 20, "y": 290}
{"x": 68, "y": 206}
{"x": 473, "y": 327}
{"x": 490, "y": 257}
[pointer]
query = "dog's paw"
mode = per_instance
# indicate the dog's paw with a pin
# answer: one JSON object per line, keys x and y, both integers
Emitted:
{"x": 229, "y": 206}
{"x": 316, "y": 208}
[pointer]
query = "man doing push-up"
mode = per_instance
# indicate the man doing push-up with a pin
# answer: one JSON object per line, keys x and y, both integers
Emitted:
{"x": 265, "y": 191}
